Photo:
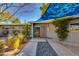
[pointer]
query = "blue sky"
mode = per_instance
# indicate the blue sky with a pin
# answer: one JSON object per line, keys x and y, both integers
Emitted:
{"x": 30, "y": 12}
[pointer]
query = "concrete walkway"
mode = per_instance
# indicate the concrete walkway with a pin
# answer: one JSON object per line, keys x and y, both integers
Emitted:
{"x": 61, "y": 50}
{"x": 31, "y": 47}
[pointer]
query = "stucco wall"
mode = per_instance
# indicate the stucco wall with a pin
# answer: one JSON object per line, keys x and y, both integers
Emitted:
{"x": 48, "y": 30}
{"x": 73, "y": 36}
{"x": 75, "y": 21}
{"x": 51, "y": 32}
{"x": 42, "y": 29}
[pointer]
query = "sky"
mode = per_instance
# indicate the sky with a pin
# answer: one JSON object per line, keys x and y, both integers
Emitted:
{"x": 30, "y": 12}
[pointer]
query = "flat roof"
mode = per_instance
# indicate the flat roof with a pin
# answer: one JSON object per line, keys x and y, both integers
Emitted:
{"x": 12, "y": 24}
{"x": 45, "y": 22}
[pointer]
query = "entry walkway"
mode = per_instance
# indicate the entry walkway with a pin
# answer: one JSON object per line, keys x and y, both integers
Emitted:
{"x": 30, "y": 48}
{"x": 60, "y": 49}
{"x": 45, "y": 47}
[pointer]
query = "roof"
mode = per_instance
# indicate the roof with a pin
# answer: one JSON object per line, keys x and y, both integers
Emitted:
{"x": 46, "y": 21}
{"x": 12, "y": 24}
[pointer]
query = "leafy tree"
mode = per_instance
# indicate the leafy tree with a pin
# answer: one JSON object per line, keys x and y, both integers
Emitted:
{"x": 5, "y": 15}
{"x": 44, "y": 7}
{"x": 16, "y": 21}
{"x": 26, "y": 28}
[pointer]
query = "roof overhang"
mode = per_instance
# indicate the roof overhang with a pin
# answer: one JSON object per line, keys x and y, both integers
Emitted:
{"x": 45, "y": 21}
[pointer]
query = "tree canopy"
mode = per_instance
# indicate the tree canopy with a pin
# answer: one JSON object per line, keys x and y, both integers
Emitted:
{"x": 44, "y": 7}
{"x": 6, "y": 15}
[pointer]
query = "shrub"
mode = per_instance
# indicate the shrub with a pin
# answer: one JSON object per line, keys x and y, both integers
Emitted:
{"x": 16, "y": 43}
{"x": 27, "y": 29}
{"x": 2, "y": 44}
{"x": 5, "y": 31}
{"x": 13, "y": 42}
{"x": 21, "y": 37}
{"x": 15, "y": 32}
{"x": 10, "y": 41}
{"x": 62, "y": 25}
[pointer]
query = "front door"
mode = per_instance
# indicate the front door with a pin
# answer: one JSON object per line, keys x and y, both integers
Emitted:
{"x": 37, "y": 32}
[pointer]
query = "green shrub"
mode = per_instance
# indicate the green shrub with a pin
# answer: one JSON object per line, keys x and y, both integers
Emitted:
{"x": 15, "y": 32}
{"x": 62, "y": 25}
{"x": 2, "y": 44}
{"x": 5, "y": 31}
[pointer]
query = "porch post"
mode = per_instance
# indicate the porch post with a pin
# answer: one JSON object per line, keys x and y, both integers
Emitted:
{"x": 32, "y": 30}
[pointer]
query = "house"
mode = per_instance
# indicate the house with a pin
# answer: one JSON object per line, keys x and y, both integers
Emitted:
{"x": 10, "y": 27}
{"x": 44, "y": 29}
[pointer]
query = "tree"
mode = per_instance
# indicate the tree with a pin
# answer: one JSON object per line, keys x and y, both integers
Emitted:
{"x": 5, "y": 15}
{"x": 16, "y": 21}
{"x": 6, "y": 6}
{"x": 27, "y": 29}
{"x": 44, "y": 7}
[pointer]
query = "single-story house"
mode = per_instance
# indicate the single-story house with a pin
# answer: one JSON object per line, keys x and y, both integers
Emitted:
{"x": 44, "y": 29}
{"x": 10, "y": 27}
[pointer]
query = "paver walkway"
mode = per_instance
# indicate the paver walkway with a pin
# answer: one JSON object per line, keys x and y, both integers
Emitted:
{"x": 44, "y": 49}
{"x": 40, "y": 47}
